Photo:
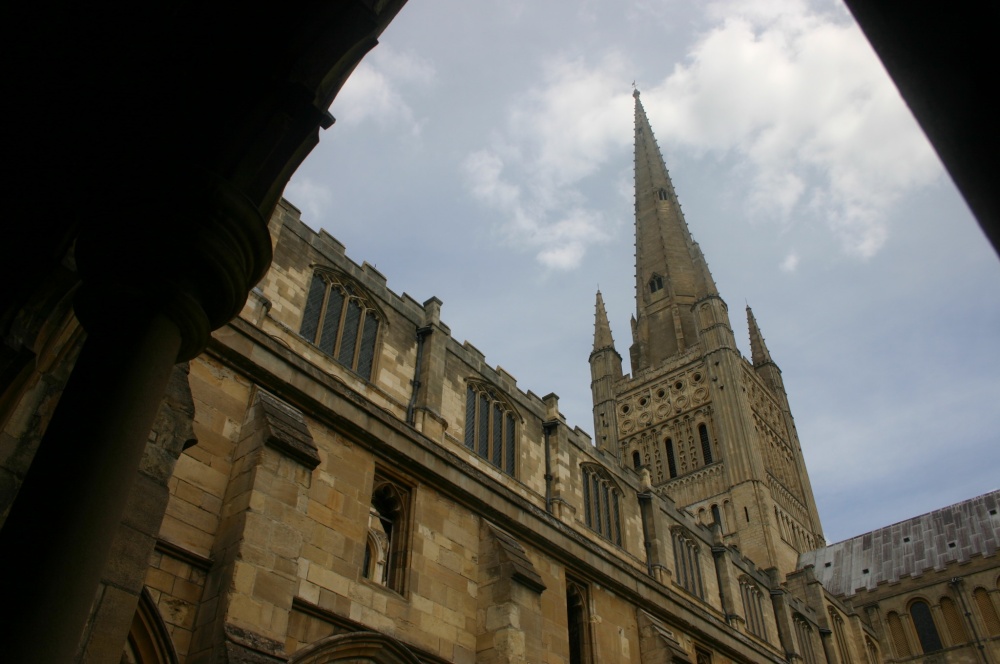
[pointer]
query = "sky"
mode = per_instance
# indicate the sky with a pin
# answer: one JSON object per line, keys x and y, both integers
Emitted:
{"x": 483, "y": 154}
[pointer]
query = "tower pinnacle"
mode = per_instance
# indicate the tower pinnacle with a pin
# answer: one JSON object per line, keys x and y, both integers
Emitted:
{"x": 602, "y": 328}
{"x": 758, "y": 349}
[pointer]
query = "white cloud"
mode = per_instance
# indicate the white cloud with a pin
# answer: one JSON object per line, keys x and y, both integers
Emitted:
{"x": 309, "y": 196}
{"x": 556, "y": 135}
{"x": 791, "y": 262}
{"x": 559, "y": 237}
{"x": 802, "y": 101}
{"x": 375, "y": 91}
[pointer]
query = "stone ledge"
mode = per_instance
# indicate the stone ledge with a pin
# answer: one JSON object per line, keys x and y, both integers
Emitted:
{"x": 286, "y": 429}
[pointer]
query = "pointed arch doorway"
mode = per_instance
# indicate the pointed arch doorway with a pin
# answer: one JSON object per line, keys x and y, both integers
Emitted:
{"x": 356, "y": 648}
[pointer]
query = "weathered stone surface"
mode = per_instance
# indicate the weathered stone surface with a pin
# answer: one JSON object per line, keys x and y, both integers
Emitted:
{"x": 280, "y": 533}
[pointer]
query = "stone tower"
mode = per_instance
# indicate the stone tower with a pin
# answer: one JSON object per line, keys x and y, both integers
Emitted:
{"x": 714, "y": 430}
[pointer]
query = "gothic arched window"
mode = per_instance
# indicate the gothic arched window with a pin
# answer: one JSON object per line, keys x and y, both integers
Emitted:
{"x": 656, "y": 283}
{"x": 601, "y": 498}
{"x": 578, "y": 621}
{"x": 636, "y": 460}
{"x": 342, "y": 321}
{"x": 686, "y": 561}
{"x": 923, "y": 624}
{"x": 387, "y": 548}
{"x": 803, "y": 633}
{"x": 753, "y": 607}
{"x": 490, "y": 426}
{"x": 840, "y": 636}
{"x": 872, "y": 651}
{"x": 148, "y": 640}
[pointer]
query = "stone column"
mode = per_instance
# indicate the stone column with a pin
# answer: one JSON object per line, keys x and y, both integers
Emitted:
{"x": 55, "y": 542}
{"x": 147, "y": 301}
{"x": 196, "y": 154}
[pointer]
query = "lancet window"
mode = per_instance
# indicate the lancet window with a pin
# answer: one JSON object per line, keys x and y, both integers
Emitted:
{"x": 804, "y": 634}
{"x": 671, "y": 459}
{"x": 387, "y": 547}
{"x": 656, "y": 283}
{"x": 706, "y": 444}
{"x": 490, "y": 427}
{"x": 753, "y": 607}
{"x": 341, "y": 320}
{"x": 578, "y": 622}
{"x": 872, "y": 651}
{"x": 841, "y": 636}
{"x": 686, "y": 561}
{"x": 601, "y": 503}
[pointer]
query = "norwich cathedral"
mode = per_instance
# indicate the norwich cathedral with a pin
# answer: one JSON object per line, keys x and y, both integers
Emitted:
{"x": 327, "y": 475}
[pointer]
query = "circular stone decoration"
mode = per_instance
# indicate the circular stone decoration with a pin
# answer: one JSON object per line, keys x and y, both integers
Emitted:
{"x": 663, "y": 410}
{"x": 660, "y": 393}
{"x": 627, "y": 425}
{"x": 680, "y": 404}
{"x": 644, "y": 418}
{"x": 700, "y": 394}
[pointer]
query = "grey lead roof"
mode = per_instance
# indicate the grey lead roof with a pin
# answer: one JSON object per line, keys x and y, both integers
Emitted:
{"x": 931, "y": 541}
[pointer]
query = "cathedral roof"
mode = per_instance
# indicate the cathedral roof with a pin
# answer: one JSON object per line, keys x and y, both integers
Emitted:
{"x": 931, "y": 541}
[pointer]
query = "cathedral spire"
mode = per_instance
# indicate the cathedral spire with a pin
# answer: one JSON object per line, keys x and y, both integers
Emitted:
{"x": 670, "y": 271}
{"x": 758, "y": 349}
{"x": 602, "y": 328}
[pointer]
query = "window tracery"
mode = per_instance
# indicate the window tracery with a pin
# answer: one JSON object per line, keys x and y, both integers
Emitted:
{"x": 753, "y": 607}
{"x": 341, "y": 320}
{"x": 803, "y": 632}
{"x": 601, "y": 503}
{"x": 841, "y": 637}
{"x": 686, "y": 561}
{"x": 490, "y": 426}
